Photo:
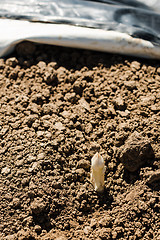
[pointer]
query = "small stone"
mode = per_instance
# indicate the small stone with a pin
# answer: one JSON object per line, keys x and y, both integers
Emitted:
{"x": 46, "y": 123}
{"x": 155, "y": 108}
{"x": 95, "y": 147}
{"x": 147, "y": 100}
{"x": 50, "y": 77}
{"x": 130, "y": 85}
{"x": 40, "y": 156}
{"x": 19, "y": 163}
{"x": 31, "y": 119}
{"x": 28, "y": 220}
{"x": 46, "y": 93}
{"x": 87, "y": 230}
{"x": 78, "y": 86}
{"x": 119, "y": 104}
{"x": 88, "y": 128}
{"x": 158, "y": 70}
{"x": 105, "y": 221}
{"x": 35, "y": 166}
{"x": 104, "y": 233}
{"x": 20, "y": 172}
{"x": 40, "y": 134}
{"x": 12, "y": 61}
{"x": 80, "y": 172}
{"x": 48, "y": 134}
{"x": 4, "y": 130}
{"x": 53, "y": 64}
{"x": 136, "y": 65}
{"x": 25, "y": 181}
{"x": 37, "y": 228}
{"x": 79, "y": 135}
{"x": 49, "y": 108}
{"x": 71, "y": 97}
{"x": 31, "y": 158}
{"x": 59, "y": 126}
{"x": 5, "y": 171}
{"x": 111, "y": 111}
{"x": 66, "y": 114}
{"x": 41, "y": 64}
{"x": 57, "y": 184}
{"x": 84, "y": 104}
{"x": 125, "y": 113}
{"x": 8, "y": 196}
{"x": 10, "y": 237}
{"x": 114, "y": 234}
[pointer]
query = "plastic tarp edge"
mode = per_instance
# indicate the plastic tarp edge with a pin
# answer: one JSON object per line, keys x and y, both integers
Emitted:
{"x": 14, "y": 31}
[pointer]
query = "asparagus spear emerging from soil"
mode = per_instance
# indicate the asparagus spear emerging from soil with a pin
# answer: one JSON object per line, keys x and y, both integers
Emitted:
{"x": 97, "y": 172}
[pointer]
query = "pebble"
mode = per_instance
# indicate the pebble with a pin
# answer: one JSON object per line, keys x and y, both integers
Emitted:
{"x": 59, "y": 126}
{"x": 4, "y": 131}
{"x": 5, "y": 171}
{"x": 40, "y": 156}
{"x": 31, "y": 158}
{"x": 41, "y": 64}
{"x": 66, "y": 114}
{"x": 87, "y": 230}
{"x": 135, "y": 65}
{"x": 125, "y": 113}
{"x": 130, "y": 85}
{"x": 35, "y": 166}
{"x": 70, "y": 97}
{"x": 37, "y": 228}
{"x": 88, "y": 128}
{"x": 40, "y": 134}
{"x": 84, "y": 104}
{"x": 119, "y": 104}
{"x": 12, "y": 61}
{"x": 19, "y": 163}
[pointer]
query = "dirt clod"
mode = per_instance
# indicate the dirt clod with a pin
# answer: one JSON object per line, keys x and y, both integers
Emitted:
{"x": 58, "y": 107}
{"x": 38, "y": 206}
{"x": 135, "y": 152}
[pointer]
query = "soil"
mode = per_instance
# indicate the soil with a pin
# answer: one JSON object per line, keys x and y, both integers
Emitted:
{"x": 58, "y": 107}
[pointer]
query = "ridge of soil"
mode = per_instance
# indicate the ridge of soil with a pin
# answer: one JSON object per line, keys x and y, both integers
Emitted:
{"x": 58, "y": 107}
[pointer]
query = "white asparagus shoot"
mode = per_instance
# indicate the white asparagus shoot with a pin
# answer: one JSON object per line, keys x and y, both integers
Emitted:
{"x": 97, "y": 172}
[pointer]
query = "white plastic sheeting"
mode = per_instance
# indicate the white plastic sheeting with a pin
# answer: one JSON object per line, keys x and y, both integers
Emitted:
{"x": 126, "y": 27}
{"x": 14, "y": 31}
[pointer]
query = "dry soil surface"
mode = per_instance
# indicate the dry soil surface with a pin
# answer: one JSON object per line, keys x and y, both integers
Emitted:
{"x": 60, "y": 106}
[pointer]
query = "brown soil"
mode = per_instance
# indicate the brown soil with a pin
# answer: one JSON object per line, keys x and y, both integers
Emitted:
{"x": 58, "y": 107}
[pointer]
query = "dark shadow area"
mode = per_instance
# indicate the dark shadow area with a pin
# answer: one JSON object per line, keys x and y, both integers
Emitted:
{"x": 105, "y": 199}
{"x": 155, "y": 186}
{"x": 43, "y": 220}
{"x": 131, "y": 3}
{"x": 131, "y": 177}
{"x": 70, "y": 58}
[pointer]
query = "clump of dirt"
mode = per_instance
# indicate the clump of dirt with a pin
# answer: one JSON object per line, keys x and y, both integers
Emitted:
{"x": 58, "y": 107}
{"x": 135, "y": 152}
